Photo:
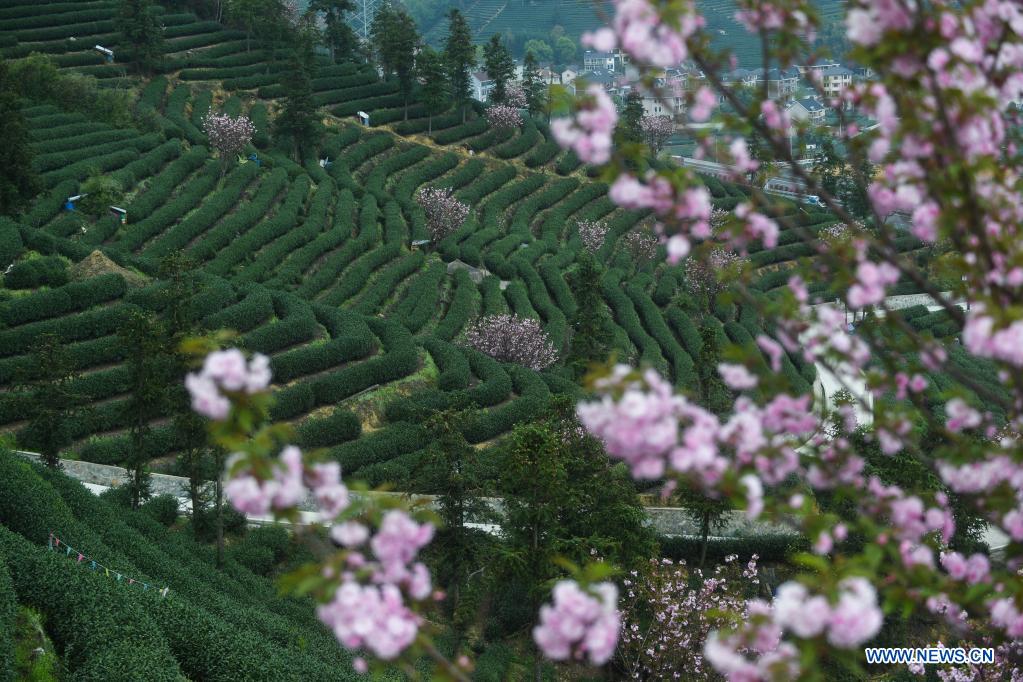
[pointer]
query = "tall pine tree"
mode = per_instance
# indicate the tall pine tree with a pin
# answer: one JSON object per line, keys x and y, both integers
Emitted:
{"x": 533, "y": 85}
{"x": 18, "y": 182}
{"x": 142, "y": 33}
{"x": 337, "y": 34}
{"x": 150, "y": 373}
{"x": 630, "y": 125}
{"x": 591, "y": 326}
{"x": 500, "y": 67}
{"x": 380, "y": 36}
{"x": 460, "y": 55}
{"x": 405, "y": 43}
{"x": 297, "y": 123}
{"x": 48, "y": 395}
{"x": 433, "y": 89}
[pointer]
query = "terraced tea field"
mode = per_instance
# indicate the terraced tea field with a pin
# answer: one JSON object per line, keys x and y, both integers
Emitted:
{"x": 314, "y": 266}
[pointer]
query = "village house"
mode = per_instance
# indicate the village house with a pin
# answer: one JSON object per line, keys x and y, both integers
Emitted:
{"x": 835, "y": 79}
{"x": 481, "y": 85}
{"x": 807, "y": 109}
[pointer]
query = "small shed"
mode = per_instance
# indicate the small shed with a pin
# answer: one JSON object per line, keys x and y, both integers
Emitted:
{"x": 107, "y": 53}
{"x": 419, "y": 243}
{"x": 122, "y": 214}
{"x": 363, "y": 118}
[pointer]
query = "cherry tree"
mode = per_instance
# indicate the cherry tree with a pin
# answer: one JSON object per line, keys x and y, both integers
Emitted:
{"x": 510, "y": 338}
{"x": 515, "y": 96}
{"x": 229, "y": 135}
{"x": 656, "y": 131}
{"x": 444, "y": 213}
{"x": 670, "y": 609}
{"x": 641, "y": 245}
{"x": 706, "y": 275}
{"x": 946, "y": 144}
{"x": 592, "y": 234}
{"x": 503, "y": 116}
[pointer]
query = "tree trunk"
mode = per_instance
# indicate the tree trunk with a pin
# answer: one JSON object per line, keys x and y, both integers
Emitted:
{"x": 220, "y": 512}
{"x": 429, "y": 125}
{"x": 193, "y": 490}
{"x": 406, "y": 107}
{"x": 705, "y": 532}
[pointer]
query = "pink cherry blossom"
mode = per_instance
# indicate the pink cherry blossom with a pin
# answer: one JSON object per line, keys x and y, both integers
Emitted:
{"x": 736, "y": 377}
{"x": 578, "y": 623}
{"x": 589, "y": 132}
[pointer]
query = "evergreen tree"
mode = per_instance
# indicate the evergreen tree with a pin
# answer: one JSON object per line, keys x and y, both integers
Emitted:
{"x": 564, "y": 50}
{"x": 533, "y": 85}
{"x": 142, "y": 32}
{"x": 145, "y": 344}
{"x": 714, "y": 394}
{"x": 630, "y": 125}
{"x": 18, "y": 182}
{"x": 500, "y": 67}
{"x": 563, "y": 498}
{"x": 433, "y": 91}
{"x": 405, "y": 41}
{"x": 460, "y": 55}
{"x": 298, "y": 121}
{"x": 177, "y": 271}
{"x": 591, "y": 327}
{"x": 255, "y": 17}
{"x": 395, "y": 41}
{"x": 381, "y": 31}
{"x": 46, "y": 390}
{"x": 337, "y": 34}
{"x": 452, "y": 470}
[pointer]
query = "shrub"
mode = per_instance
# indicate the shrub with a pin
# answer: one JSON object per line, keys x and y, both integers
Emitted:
{"x": 380, "y": 446}
{"x": 37, "y": 272}
{"x": 319, "y": 357}
{"x": 453, "y": 365}
{"x": 163, "y": 509}
{"x": 8, "y": 616}
{"x": 339, "y": 427}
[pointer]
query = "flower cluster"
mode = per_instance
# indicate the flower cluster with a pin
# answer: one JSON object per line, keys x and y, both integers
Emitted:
{"x": 704, "y": 274}
{"x": 670, "y": 609}
{"x": 854, "y": 619}
{"x": 229, "y": 135}
{"x": 225, "y": 373}
{"x": 592, "y": 234}
{"x": 503, "y": 116}
{"x": 645, "y": 35}
{"x": 641, "y": 245}
{"x": 444, "y": 213}
{"x": 510, "y": 338}
{"x": 688, "y": 210}
{"x": 578, "y": 623}
{"x": 589, "y": 132}
{"x": 370, "y": 612}
{"x": 656, "y": 130}
{"x": 515, "y": 96}
{"x": 373, "y": 574}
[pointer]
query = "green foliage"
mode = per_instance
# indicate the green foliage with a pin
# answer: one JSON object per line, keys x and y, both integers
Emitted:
{"x": 18, "y": 180}
{"x": 8, "y": 617}
{"x": 460, "y": 55}
{"x": 37, "y": 272}
{"x": 141, "y": 32}
{"x": 499, "y": 65}
{"x": 103, "y": 191}
{"x": 562, "y": 499}
{"x": 36, "y": 77}
{"x": 163, "y": 509}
